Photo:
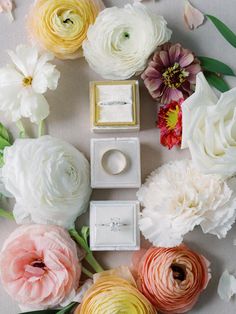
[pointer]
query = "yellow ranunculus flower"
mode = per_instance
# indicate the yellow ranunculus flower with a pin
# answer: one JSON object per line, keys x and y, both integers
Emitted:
{"x": 60, "y": 26}
{"x": 114, "y": 292}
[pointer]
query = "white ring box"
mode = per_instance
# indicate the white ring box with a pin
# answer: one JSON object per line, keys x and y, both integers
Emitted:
{"x": 115, "y": 106}
{"x": 105, "y": 238}
{"x": 115, "y": 163}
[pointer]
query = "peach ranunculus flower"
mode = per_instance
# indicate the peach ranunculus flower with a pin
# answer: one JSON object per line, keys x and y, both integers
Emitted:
{"x": 114, "y": 291}
{"x": 61, "y": 26}
{"x": 171, "y": 278}
{"x": 39, "y": 266}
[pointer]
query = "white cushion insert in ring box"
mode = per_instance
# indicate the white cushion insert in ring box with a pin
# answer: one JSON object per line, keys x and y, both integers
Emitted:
{"x": 115, "y": 106}
{"x": 114, "y": 225}
{"x": 115, "y": 163}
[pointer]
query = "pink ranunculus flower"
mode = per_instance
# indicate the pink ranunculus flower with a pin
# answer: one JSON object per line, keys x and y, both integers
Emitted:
{"x": 171, "y": 278}
{"x": 39, "y": 266}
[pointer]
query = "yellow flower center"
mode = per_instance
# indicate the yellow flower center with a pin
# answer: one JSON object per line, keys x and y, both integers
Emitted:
{"x": 172, "y": 118}
{"x": 27, "y": 81}
{"x": 174, "y": 76}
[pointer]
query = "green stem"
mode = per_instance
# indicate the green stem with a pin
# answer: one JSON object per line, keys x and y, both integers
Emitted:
{"x": 93, "y": 262}
{"x": 6, "y": 214}
{"x": 21, "y": 127}
{"x": 87, "y": 272}
{"x": 89, "y": 256}
{"x": 41, "y": 128}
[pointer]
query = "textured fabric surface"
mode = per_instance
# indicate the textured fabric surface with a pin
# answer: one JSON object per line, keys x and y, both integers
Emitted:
{"x": 70, "y": 121}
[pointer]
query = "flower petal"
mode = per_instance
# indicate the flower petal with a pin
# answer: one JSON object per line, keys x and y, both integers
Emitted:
{"x": 45, "y": 77}
{"x": 10, "y": 77}
{"x": 227, "y": 286}
{"x": 193, "y": 17}
{"x": 186, "y": 60}
{"x": 34, "y": 106}
{"x": 25, "y": 59}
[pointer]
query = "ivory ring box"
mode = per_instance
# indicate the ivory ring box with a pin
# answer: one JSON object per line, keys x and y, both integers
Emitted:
{"x": 115, "y": 163}
{"x": 114, "y": 225}
{"x": 114, "y": 106}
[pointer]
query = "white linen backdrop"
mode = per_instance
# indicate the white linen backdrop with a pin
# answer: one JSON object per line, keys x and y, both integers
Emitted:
{"x": 69, "y": 120}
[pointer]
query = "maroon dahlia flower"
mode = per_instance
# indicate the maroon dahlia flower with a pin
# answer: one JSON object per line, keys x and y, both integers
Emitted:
{"x": 171, "y": 74}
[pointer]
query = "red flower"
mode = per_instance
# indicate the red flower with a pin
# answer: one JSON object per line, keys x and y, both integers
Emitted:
{"x": 170, "y": 124}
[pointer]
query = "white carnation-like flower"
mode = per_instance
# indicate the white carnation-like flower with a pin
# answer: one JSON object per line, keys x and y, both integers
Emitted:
{"x": 23, "y": 84}
{"x": 50, "y": 180}
{"x": 209, "y": 129}
{"x": 177, "y": 197}
{"x": 120, "y": 42}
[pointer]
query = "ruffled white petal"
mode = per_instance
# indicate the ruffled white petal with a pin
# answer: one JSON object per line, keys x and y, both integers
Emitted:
{"x": 49, "y": 179}
{"x": 177, "y": 197}
{"x": 120, "y": 42}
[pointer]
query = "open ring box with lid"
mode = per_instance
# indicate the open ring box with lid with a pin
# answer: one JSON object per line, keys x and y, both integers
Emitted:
{"x": 114, "y": 106}
{"x": 114, "y": 225}
{"x": 115, "y": 163}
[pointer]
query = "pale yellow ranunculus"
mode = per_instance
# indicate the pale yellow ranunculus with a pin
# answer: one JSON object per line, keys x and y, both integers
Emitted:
{"x": 114, "y": 292}
{"x": 60, "y": 26}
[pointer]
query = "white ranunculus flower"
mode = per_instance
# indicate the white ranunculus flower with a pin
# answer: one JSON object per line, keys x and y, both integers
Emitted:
{"x": 50, "y": 180}
{"x": 177, "y": 197}
{"x": 23, "y": 84}
{"x": 209, "y": 129}
{"x": 120, "y": 42}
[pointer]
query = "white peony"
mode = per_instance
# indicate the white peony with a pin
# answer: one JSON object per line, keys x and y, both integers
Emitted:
{"x": 209, "y": 129}
{"x": 50, "y": 180}
{"x": 177, "y": 197}
{"x": 23, "y": 84}
{"x": 120, "y": 42}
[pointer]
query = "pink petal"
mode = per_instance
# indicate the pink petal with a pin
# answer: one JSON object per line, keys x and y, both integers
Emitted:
{"x": 186, "y": 60}
{"x": 174, "y": 53}
{"x": 153, "y": 84}
{"x": 7, "y": 6}
{"x": 193, "y": 70}
{"x": 164, "y": 58}
{"x": 171, "y": 94}
{"x": 193, "y": 17}
{"x": 152, "y": 73}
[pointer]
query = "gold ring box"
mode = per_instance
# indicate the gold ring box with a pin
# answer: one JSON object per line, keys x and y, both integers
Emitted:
{"x": 115, "y": 106}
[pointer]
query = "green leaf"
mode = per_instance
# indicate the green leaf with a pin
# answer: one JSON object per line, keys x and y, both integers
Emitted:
{"x": 42, "y": 312}
{"x": 224, "y": 30}
{"x": 1, "y": 160}
{"x": 6, "y": 214}
{"x": 4, "y": 133}
{"x": 213, "y": 65}
{"x": 85, "y": 233}
{"x": 217, "y": 81}
{"x": 65, "y": 310}
{"x": 4, "y": 143}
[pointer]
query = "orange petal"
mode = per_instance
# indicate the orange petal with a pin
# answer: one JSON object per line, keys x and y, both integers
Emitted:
{"x": 193, "y": 17}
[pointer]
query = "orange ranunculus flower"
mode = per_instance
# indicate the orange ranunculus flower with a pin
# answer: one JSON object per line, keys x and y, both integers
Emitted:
{"x": 60, "y": 26}
{"x": 114, "y": 291}
{"x": 171, "y": 278}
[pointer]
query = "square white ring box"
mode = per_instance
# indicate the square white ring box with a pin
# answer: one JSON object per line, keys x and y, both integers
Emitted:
{"x": 114, "y": 106}
{"x": 115, "y": 163}
{"x": 114, "y": 226}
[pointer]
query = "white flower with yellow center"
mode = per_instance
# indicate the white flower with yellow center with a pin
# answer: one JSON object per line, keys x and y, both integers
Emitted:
{"x": 23, "y": 83}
